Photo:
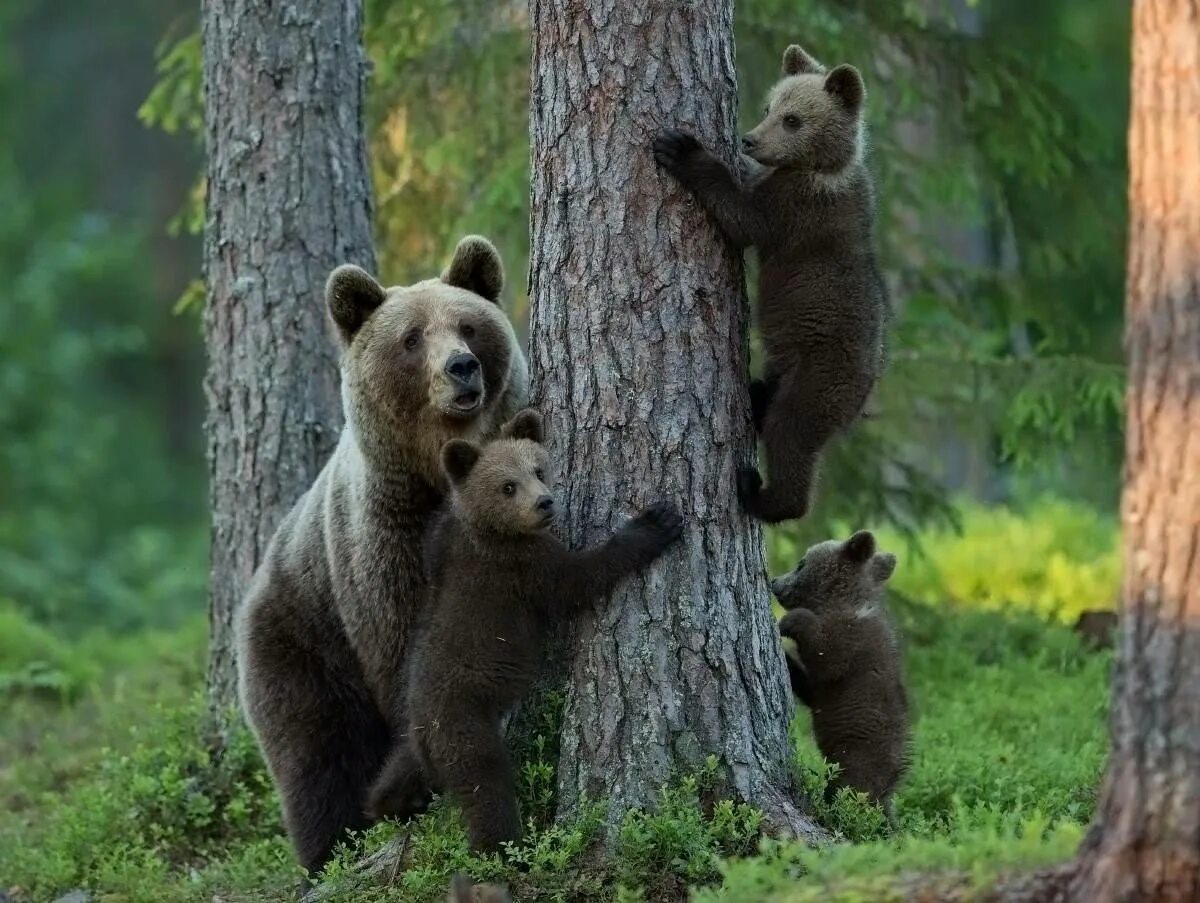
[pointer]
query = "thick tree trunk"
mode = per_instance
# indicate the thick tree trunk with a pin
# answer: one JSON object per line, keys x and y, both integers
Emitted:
{"x": 288, "y": 199}
{"x": 1145, "y": 844}
{"x": 639, "y": 361}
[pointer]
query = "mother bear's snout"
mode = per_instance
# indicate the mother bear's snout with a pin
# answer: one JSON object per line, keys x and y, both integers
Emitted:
{"x": 464, "y": 369}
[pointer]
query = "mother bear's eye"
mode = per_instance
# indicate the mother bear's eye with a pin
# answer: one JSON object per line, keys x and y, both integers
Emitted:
{"x": 413, "y": 339}
{"x": 792, "y": 121}
{"x": 509, "y": 488}
{"x": 467, "y": 330}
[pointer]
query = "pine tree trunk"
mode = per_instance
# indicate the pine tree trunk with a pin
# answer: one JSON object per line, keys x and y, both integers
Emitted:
{"x": 639, "y": 360}
{"x": 288, "y": 199}
{"x": 1146, "y": 841}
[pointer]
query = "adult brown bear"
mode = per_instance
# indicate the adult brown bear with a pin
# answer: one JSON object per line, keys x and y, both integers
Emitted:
{"x": 324, "y": 628}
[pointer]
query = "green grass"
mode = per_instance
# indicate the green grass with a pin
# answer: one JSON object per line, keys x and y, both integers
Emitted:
{"x": 104, "y": 783}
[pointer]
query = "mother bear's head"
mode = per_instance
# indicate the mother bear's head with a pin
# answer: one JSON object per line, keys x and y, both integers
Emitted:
{"x": 428, "y": 362}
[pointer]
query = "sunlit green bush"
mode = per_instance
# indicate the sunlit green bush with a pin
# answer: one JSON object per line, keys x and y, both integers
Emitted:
{"x": 1054, "y": 559}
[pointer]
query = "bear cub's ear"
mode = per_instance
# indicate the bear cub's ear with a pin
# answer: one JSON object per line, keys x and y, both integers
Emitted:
{"x": 796, "y": 61}
{"x": 528, "y": 424}
{"x": 352, "y": 295}
{"x": 458, "y": 458}
{"x": 859, "y": 547}
{"x": 846, "y": 84}
{"x": 476, "y": 266}
{"x": 882, "y": 567}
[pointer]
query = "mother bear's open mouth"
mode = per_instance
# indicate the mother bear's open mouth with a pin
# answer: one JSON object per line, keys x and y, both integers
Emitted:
{"x": 466, "y": 402}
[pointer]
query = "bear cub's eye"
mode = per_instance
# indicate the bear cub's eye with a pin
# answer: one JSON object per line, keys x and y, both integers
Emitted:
{"x": 509, "y": 488}
{"x": 540, "y": 474}
{"x": 792, "y": 121}
{"x": 467, "y": 331}
{"x": 413, "y": 339}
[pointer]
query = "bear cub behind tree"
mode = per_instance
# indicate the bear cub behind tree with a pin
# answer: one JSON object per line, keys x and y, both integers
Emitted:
{"x": 805, "y": 201}
{"x": 850, "y": 672}
{"x": 499, "y": 582}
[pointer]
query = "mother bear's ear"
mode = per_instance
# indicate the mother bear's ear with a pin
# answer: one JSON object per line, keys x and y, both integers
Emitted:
{"x": 352, "y": 294}
{"x": 477, "y": 267}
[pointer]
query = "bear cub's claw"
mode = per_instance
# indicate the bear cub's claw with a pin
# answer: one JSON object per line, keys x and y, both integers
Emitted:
{"x": 672, "y": 148}
{"x": 661, "y": 522}
{"x": 748, "y": 485}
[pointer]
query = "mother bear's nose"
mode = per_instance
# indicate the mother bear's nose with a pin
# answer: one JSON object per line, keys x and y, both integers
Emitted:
{"x": 463, "y": 367}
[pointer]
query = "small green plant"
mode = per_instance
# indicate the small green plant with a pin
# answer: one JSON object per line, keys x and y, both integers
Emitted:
{"x": 682, "y": 841}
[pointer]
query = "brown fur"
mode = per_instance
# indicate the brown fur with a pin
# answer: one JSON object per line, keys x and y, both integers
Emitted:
{"x": 325, "y": 626}
{"x": 852, "y": 675}
{"x": 1097, "y": 628}
{"x": 464, "y": 890}
{"x": 500, "y": 581}
{"x": 805, "y": 201}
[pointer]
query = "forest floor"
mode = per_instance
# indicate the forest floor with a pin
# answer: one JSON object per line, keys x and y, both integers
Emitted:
{"x": 105, "y": 784}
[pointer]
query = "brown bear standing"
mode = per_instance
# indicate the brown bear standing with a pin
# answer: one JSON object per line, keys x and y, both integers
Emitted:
{"x": 499, "y": 582}
{"x": 806, "y": 203}
{"x": 851, "y": 674}
{"x": 326, "y": 623}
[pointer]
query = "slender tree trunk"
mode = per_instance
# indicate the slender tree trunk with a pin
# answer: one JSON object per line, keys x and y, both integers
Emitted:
{"x": 639, "y": 360}
{"x": 288, "y": 199}
{"x": 1145, "y": 844}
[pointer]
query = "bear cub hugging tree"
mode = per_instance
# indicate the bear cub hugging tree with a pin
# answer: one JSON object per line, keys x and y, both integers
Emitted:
{"x": 806, "y": 203}
{"x": 850, "y": 672}
{"x": 499, "y": 581}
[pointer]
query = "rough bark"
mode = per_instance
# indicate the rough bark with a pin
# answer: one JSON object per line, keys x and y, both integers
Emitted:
{"x": 1145, "y": 844}
{"x": 639, "y": 361}
{"x": 288, "y": 199}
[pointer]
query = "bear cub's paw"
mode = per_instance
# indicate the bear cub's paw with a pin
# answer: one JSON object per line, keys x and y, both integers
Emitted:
{"x": 673, "y": 149}
{"x": 660, "y": 525}
{"x": 749, "y": 483}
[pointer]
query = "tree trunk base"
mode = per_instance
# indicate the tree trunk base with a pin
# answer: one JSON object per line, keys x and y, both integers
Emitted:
{"x": 784, "y": 818}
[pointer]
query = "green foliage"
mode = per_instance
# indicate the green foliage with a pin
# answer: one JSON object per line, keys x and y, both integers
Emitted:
{"x": 678, "y": 842}
{"x": 85, "y": 537}
{"x": 116, "y": 790}
{"x": 883, "y": 871}
{"x": 101, "y": 482}
{"x": 1007, "y": 753}
{"x": 1054, "y": 558}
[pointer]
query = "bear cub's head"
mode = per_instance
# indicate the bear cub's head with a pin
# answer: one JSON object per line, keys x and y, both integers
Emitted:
{"x": 813, "y": 118}
{"x": 440, "y": 347}
{"x": 502, "y": 487}
{"x": 835, "y": 574}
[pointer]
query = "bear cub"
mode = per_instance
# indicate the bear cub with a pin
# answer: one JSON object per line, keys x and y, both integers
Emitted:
{"x": 850, "y": 672}
{"x": 804, "y": 199}
{"x": 499, "y": 583}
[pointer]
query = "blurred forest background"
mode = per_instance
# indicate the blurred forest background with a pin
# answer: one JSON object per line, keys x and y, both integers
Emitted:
{"x": 991, "y": 461}
{"x": 997, "y": 133}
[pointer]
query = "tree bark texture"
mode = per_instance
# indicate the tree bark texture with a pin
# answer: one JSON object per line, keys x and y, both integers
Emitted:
{"x": 288, "y": 199}
{"x": 1145, "y": 844}
{"x": 639, "y": 360}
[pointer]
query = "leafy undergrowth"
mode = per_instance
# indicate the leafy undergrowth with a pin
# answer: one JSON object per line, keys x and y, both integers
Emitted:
{"x": 1054, "y": 559}
{"x": 104, "y": 784}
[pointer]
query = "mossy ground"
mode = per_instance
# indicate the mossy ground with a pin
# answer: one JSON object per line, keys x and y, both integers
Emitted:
{"x": 104, "y": 783}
